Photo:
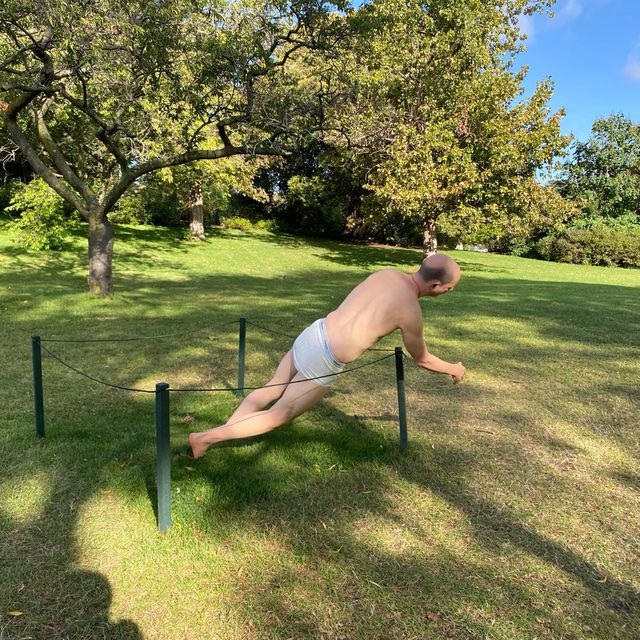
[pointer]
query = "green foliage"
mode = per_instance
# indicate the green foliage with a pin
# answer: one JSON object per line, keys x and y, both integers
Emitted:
{"x": 100, "y": 94}
{"x": 7, "y": 190}
{"x": 603, "y": 175}
{"x": 384, "y": 224}
{"x": 42, "y": 223}
{"x": 244, "y": 224}
{"x": 448, "y": 136}
{"x": 162, "y": 198}
{"x": 131, "y": 209}
{"x": 223, "y": 183}
{"x": 309, "y": 191}
{"x": 536, "y": 211}
{"x": 602, "y": 247}
{"x": 312, "y": 207}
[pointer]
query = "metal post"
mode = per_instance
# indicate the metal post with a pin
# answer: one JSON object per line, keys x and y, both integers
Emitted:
{"x": 163, "y": 456}
{"x": 38, "y": 397}
{"x": 402, "y": 405}
{"x": 242, "y": 340}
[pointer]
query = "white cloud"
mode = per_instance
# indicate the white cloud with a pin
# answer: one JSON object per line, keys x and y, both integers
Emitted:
{"x": 562, "y": 13}
{"x": 632, "y": 69}
{"x": 527, "y": 26}
{"x": 568, "y": 12}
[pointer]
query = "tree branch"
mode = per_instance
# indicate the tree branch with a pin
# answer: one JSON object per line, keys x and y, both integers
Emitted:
{"x": 12, "y": 58}
{"x": 196, "y": 133}
{"x": 224, "y": 136}
{"x": 280, "y": 63}
{"x": 58, "y": 158}
{"x": 39, "y": 167}
{"x": 104, "y": 131}
{"x": 261, "y": 148}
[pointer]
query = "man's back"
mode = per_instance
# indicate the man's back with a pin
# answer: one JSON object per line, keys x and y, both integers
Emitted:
{"x": 380, "y": 304}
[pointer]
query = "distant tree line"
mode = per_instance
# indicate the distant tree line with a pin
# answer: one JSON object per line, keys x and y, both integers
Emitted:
{"x": 399, "y": 121}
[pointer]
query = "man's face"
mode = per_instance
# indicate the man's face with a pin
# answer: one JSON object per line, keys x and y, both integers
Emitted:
{"x": 438, "y": 289}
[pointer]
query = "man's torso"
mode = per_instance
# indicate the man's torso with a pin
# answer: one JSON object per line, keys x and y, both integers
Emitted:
{"x": 377, "y": 306}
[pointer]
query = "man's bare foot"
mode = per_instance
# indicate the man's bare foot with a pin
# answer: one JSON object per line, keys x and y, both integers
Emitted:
{"x": 198, "y": 449}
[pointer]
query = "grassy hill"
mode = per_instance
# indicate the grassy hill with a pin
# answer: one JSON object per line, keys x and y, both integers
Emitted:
{"x": 513, "y": 514}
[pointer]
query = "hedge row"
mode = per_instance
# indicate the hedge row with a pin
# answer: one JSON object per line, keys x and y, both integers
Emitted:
{"x": 602, "y": 247}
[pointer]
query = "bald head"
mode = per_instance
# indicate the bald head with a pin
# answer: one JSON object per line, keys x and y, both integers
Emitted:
{"x": 440, "y": 270}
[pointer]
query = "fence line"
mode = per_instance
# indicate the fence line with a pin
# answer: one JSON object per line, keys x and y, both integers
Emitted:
{"x": 208, "y": 389}
{"x": 179, "y": 333}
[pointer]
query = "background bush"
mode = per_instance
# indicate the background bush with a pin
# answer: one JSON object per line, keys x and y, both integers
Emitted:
{"x": 244, "y": 224}
{"x": 603, "y": 247}
{"x": 43, "y": 222}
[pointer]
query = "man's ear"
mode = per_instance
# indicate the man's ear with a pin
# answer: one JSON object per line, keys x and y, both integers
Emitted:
{"x": 435, "y": 284}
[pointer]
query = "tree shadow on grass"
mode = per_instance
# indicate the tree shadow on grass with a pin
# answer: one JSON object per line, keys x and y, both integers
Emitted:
{"x": 627, "y": 479}
{"x": 341, "y": 581}
{"x": 57, "y": 600}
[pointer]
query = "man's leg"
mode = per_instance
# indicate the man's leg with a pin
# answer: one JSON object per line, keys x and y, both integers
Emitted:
{"x": 296, "y": 399}
{"x": 260, "y": 398}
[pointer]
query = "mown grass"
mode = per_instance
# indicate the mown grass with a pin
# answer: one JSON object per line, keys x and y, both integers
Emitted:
{"x": 514, "y": 513}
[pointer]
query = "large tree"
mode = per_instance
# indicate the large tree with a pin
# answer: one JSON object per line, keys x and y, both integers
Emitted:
{"x": 98, "y": 93}
{"x": 439, "y": 125}
{"x": 603, "y": 175}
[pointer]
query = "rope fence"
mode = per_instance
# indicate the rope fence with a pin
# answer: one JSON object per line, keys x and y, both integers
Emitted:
{"x": 162, "y": 391}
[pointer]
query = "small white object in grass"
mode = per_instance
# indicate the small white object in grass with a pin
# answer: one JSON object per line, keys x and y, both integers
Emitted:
{"x": 177, "y": 489}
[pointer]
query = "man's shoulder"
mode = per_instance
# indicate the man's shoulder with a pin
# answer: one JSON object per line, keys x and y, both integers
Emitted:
{"x": 389, "y": 273}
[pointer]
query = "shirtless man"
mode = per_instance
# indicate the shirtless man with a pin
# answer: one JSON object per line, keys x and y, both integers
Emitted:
{"x": 387, "y": 300}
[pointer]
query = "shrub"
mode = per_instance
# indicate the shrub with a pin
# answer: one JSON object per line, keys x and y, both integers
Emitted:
{"x": 236, "y": 222}
{"x": 131, "y": 209}
{"x": 267, "y": 225}
{"x": 7, "y": 191}
{"x": 243, "y": 224}
{"x": 604, "y": 247}
{"x": 373, "y": 221}
{"x": 42, "y": 224}
{"x": 515, "y": 246}
{"x": 311, "y": 207}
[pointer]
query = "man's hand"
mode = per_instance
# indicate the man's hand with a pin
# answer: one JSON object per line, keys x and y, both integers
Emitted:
{"x": 458, "y": 372}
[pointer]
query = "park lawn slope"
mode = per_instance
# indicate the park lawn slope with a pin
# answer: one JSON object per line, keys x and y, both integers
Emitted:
{"x": 513, "y": 514}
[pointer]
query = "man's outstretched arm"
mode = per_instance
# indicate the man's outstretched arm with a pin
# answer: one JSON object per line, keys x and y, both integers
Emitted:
{"x": 415, "y": 344}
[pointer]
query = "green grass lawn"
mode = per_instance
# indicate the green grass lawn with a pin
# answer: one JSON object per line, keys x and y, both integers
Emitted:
{"x": 513, "y": 514}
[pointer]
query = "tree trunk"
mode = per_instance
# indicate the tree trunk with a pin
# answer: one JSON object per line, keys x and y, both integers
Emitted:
{"x": 101, "y": 238}
{"x": 429, "y": 241}
{"x": 196, "y": 212}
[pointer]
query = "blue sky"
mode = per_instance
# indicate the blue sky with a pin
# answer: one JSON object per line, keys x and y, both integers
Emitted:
{"x": 591, "y": 50}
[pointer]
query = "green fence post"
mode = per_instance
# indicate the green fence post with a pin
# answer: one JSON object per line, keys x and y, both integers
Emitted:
{"x": 402, "y": 404}
{"x": 38, "y": 398}
{"x": 242, "y": 341}
{"x": 163, "y": 456}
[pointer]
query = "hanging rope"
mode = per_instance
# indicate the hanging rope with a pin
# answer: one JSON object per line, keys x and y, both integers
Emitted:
{"x": 215, "y": 389}
{"x": 86, "y": 375}
{"x": 284, "y": 384}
